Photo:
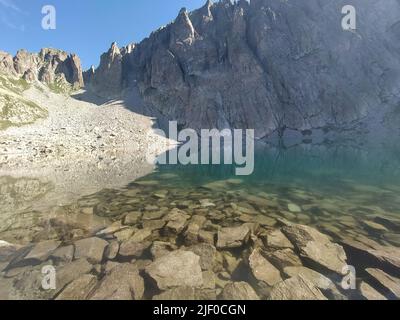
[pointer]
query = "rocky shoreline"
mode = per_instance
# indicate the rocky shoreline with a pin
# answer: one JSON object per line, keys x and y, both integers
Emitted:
{"x": 150, "y": 243}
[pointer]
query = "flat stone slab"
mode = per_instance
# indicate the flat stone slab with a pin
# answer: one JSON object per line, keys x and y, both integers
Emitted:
{"x": 91, "y": 248}
{"x": 79, "y": 289}
{"x": 176, "y": 269}
{"x": 390, "y": 283}
{"x": 233, "y": 237}
{"x": 42, "y": 250}
{"x": 239, "y": 291}
{"x": 296, "y": 288}
{"x": 122, "y": 283}
{"x": 263, "y": 270}
{"x": 317, "y": 247}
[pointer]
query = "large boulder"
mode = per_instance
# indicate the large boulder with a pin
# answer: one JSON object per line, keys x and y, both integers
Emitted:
{"x": 233, "y": 237}
{"x": 317, "y": 247}
{"x": 176, "y": 269}
{"x": 91, "y": 248}
{"x": 122, "y": 283}
{"x": 239, "y": 291}
{"x": 296, "y": 288}
{"x": 262, "y": 269}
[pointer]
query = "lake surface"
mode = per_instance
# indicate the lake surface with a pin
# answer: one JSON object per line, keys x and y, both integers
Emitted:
{"x": 347, "y": 193}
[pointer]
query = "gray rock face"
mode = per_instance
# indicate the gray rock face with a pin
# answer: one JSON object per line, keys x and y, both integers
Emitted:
{"x": 108, "y": 76}
{"x": 268, "y": 64}
{"x": 49, "y": 66}
{"x": 6, "y": 63}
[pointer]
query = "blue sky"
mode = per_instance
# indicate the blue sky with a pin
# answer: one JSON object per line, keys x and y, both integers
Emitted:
{"x": 85, "y": 27}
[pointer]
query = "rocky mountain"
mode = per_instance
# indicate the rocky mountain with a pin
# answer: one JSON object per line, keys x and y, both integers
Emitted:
{"x": 271, "y": 65}
{"x": 50, "y": 66}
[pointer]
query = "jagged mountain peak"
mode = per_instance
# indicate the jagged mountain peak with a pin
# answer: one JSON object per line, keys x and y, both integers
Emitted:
{"x": 48, "y": 66}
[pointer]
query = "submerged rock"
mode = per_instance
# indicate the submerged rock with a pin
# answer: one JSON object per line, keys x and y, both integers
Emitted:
{"x": 91, "y": 248}
{"x": 63, "y": 254}
{"x": 294, "y": 208}
{"x": 133, "y": 248}
{"x": 177, "y": 220}
{"x": 122, "y": 283}
{"x": 79, "y": 289}
{"x": 296, "y": 288}
{"x": 207, "y": 254}
{"x": 179, "y": 293}
{"x": 320, "y": 281}
{"x": 276, "y": 239}
{"x": 370, "y": 293}
{"x": 388, "y": 282}
{"x": 317, "y": 247}
{"x": 263, "y": 270}
{"x": 233, "y": 237}
{"x": 239, "y": 291}
{"x": 160, "y": 248}
{"x": 43, "y": 250}
{"x": 176, "y": 269}
{"x": 72, "y": 271}
{"x": 283, "y": 258}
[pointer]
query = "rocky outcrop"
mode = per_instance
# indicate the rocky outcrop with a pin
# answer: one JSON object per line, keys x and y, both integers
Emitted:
{"x": 107, "y": 78}
{"x": 266, "y": 64}
{"x": 48, "y": 66}
{"x": 6, "y": 63}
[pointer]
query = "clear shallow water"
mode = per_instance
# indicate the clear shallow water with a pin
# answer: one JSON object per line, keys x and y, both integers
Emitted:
{"x": 344, "y": 192}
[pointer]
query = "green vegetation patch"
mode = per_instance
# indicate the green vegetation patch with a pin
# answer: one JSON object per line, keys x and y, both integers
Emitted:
{"x": 17, "y": 111}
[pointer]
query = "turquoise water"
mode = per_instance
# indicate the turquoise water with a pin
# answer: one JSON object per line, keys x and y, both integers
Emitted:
{"x": 347, "y": 193}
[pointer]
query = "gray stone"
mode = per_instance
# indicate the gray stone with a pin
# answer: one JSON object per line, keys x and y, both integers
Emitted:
{"x": 132, "y": 218}
{"x": 296, "y": 288}
{"x": 112, "y": 250}
{"x": 63, "y": 254}
{"x": 42, "y": 250}
{"x": 262, "y": 269}
{"x": 283, "y": 258}
{"x": 176, "y": 269}
{"x": 233, "y": 237}
{"x": 370, "y": 293}
{"x": 177, "y": 220}
{"x": 207, "y": 254}
{"x": 179, "y": 293}
{"x": 159, "y": 249}
{"x": 141, "y": 235}
{"x": 91, "y": 248}
{"x": 192, "y": 231}
{"x": 390, "y": 283}
{"x": 122, "y": 283}
{"x": 133, "y": 249}
{"x": 276, "y": 239}
{"x": 79, "y": 289}
{"x": 317, "y": 247}
{"x": 239, "y": 291}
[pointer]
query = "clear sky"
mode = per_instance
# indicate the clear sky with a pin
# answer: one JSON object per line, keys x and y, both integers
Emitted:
{"x": 85, "y": 27}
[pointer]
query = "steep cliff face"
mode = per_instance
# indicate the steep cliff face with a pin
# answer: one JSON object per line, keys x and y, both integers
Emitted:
{"x": 265, "y": 64}
{"x": 48, "y": 66}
